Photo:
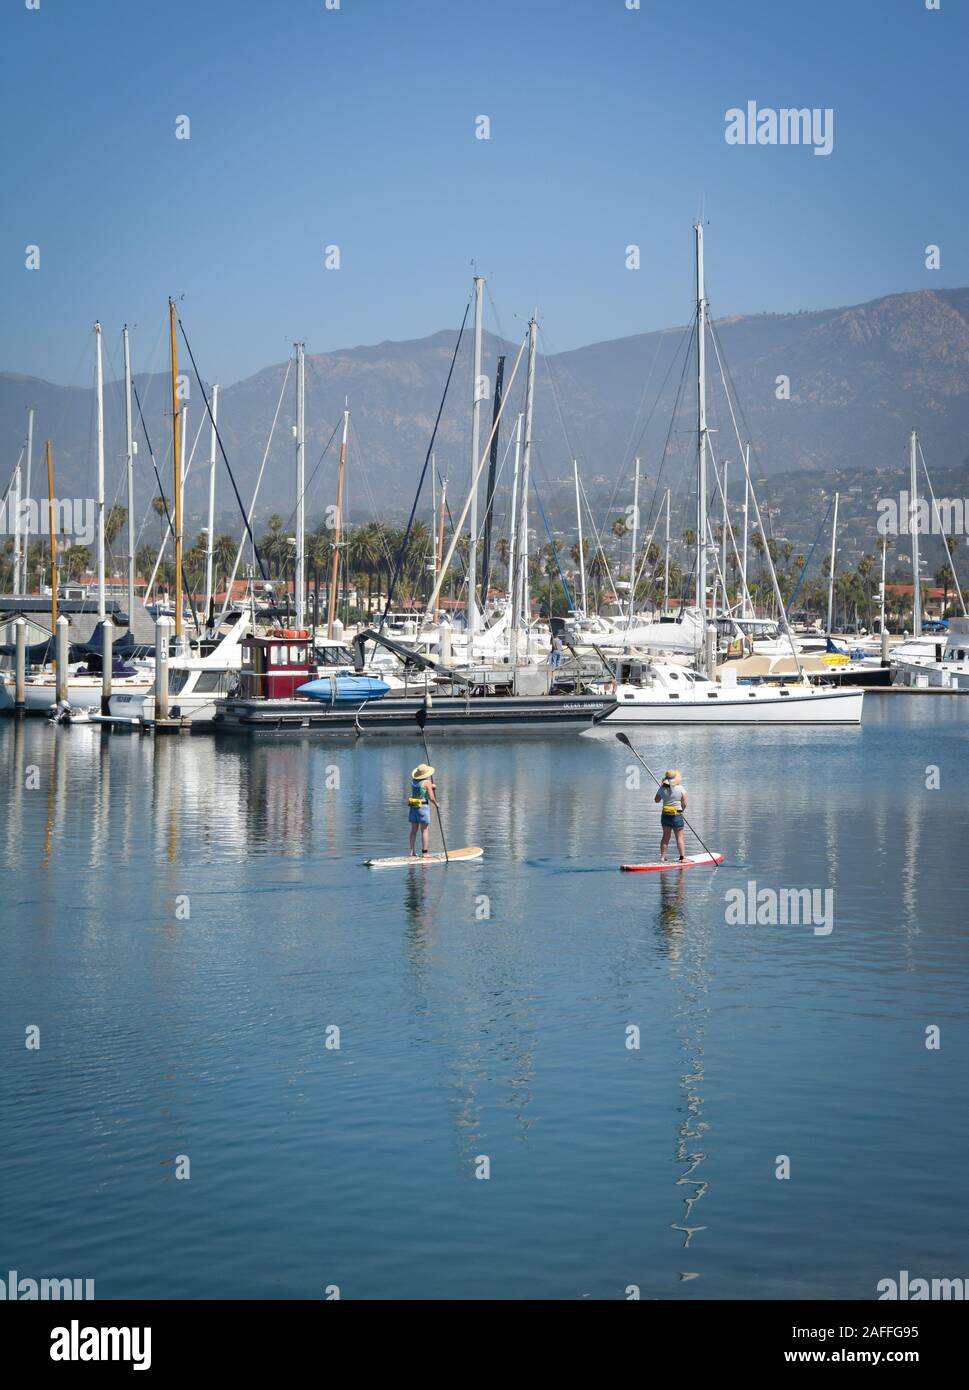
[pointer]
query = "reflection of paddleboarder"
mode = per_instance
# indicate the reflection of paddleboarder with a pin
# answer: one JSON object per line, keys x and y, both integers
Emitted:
{"x": 422, "y": 798}
{"x": 672, "y": 795}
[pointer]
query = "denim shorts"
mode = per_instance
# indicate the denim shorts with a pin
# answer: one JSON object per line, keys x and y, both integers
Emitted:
{"x": 420, "y": 815}
{"x": 672, "y": 822}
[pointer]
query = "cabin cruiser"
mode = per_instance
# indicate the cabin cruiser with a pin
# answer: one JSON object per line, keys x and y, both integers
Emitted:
{"x": 948, "y": 671}
{"x": 195, "y": 680}
{"x": 669, "y": 694}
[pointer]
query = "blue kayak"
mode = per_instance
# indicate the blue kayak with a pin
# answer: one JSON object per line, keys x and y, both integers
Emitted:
{"x": 344, "y": 690}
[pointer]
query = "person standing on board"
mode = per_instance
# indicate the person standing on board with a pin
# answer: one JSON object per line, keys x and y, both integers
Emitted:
{"x": 672, "y": 795}
{"x": 422, "y": 798}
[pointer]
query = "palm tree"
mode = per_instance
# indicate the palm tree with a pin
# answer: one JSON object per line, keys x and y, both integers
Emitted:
{"x": 113, "y": 523}
{"x": 159, "y": 506}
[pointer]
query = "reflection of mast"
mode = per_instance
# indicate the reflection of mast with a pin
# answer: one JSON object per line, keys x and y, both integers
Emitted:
{"x": 688, "y": 968}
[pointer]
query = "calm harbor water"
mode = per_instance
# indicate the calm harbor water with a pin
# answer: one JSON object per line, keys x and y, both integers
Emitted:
{"x": 185, "y": 919}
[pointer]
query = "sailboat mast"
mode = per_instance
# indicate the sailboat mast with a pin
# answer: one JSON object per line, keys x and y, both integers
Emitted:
{"x": 477, "y": 393}
{"x": 743, "y": 563}
{"x": 130, "y": 475}
{"x": 299, "y": 578}
{"x": 632, "y": 557}
{"x": 338, "y": 528}
{"x": 513, "y": 533}
{"x": 701, "y": 369}
{"x": 209, "y": 535}
{"x": 25, "y": 570}
{"x": 914, "y": 528}
{"x": 176, "y": 476}
{"x": 834, "y": 545}
{"x": 99, "y": 391}
{"x": 666, "y": 565}
{"x": 15, "y": 493}
{"x": 492, "y": 477}
{"x": 526, "y": 464}
{"x": 578, "y": 513}
{"x": 53, "y": 538}
{"x": 723, "y": 542}
{"x": 439, "y": 558}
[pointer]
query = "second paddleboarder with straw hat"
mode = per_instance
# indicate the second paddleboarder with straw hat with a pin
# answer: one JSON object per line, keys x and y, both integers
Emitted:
{"x": 672, "y": 796}
{"x": 422, "y": 797}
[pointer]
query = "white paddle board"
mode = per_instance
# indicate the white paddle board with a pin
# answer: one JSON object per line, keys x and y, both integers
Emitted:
{"x": 691, "y": 861}
{"x": 398, "y": 861}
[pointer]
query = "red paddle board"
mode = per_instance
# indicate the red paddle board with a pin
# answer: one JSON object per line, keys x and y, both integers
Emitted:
{"x": 691, "y": 861}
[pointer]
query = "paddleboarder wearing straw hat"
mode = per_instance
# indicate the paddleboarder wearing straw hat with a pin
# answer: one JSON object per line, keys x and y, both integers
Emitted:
{"x": 422, "y": 798}
{"x": 672, "y": 795}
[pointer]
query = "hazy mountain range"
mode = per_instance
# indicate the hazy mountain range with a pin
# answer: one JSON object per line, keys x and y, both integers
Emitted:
{"x": 860, "y": 378}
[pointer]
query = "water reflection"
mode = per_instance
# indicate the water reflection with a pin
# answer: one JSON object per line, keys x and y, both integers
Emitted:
{"x": 683, "y": 940}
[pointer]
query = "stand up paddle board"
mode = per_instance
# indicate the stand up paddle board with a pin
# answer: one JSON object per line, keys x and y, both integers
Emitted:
{"x": 691, "y": 861}
{"x": 398, "y": 861}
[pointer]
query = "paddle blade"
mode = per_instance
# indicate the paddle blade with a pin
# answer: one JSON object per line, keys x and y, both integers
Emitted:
{"x": 624, "y": 738}
{"x": 421, "y": 717}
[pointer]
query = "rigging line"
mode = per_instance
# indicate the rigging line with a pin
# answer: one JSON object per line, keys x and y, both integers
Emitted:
{"x": 551, "y": 539}
{"x": 252, "y": 507}
{"x": 945, "y": 541}
{"x": 718, "y": 491}
{"x": 215, "y": 428}
{"x": 686, "y": 338}
{"x": 804, "y": 567}
{"x": 753, "y": 492}
{"x": 306, "y": 486}
{"x": 427, "y": 458}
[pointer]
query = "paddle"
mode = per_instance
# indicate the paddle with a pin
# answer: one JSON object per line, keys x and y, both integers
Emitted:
{"x": 624, "y": 739}
{"x": 421, "y": 721}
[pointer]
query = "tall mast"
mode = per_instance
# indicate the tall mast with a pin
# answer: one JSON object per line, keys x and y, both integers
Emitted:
{"x": 492, "y": 475}
{"x": 526, "y": 462}
{"x": 53, "y": 538}
{"x": 299, "y": 576}
{"x": 666, "y": 566}
{"x": 513, "y": 533}
{"x": 176, "y": 476}
{"x": 578, "y": 513}
{"x": 433, "y": 523}
{"x": 914, "y": 528}
{"x": 337, "y": 530}
{"x": 99, "y": 391}
{"x": 834, "y": 544}
{"x": 884, "y": 541}
{"x": 701, "y": 393}
{"x": 477, "y": 393}
{"x": 632, "y": 557}
{"x": 439, "y": 558}
{"x": 15, "y": 496}
{"x": 723, "y": 541}
{"x": 743, "y": 563}
{"x": 209, "y": 536}
{"x": 25, "y": 570}
{"x": 130, "y": 473}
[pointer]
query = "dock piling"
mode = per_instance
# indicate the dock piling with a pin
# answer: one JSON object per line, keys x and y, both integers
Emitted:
{"x": 20, "y": 679}
{"x": 61, "y": 667}
{"x": 163, "y": 628}
{"x": 107, "y": 658}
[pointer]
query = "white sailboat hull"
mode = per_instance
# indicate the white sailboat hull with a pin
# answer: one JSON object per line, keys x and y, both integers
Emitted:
{"x": 770, "y": 705}
{"x": 83, "y": 692}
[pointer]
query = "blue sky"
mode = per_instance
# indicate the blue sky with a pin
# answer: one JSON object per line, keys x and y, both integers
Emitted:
{"x": 355, "y": 127}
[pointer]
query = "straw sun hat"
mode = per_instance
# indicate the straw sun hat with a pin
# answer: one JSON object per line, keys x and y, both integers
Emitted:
{"x": 673, "y": 776}
{"x": 422, "y": 772}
